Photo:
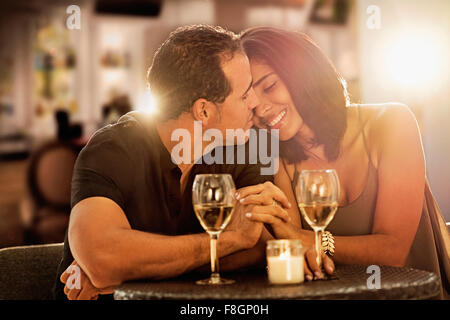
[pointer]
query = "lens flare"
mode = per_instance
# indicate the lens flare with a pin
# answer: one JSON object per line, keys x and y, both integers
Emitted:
{"x": 147, "y": 103}
{"x": 414, "y": 61}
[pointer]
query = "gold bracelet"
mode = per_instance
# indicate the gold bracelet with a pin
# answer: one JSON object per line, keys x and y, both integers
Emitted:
{"x": 328, "y": 243}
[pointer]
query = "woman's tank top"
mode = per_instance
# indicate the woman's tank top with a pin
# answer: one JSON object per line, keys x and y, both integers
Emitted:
{"x": 431, "y": 246}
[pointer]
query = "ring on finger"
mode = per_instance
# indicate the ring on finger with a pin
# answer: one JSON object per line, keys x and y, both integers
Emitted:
{"x": 275, "y": 203}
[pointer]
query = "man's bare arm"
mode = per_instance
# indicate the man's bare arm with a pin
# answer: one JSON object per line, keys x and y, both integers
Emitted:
{"x": 243, "y": 259}
{"x": 110, "y": 252}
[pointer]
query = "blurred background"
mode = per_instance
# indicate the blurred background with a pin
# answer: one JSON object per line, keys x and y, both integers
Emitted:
{"x": 69, "y": 67}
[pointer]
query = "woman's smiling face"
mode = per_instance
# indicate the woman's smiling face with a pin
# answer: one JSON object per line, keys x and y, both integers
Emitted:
{"x": 276, "y": 109}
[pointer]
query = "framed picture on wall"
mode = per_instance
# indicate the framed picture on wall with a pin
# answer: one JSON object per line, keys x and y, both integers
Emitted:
{"x": 330, "y": 12}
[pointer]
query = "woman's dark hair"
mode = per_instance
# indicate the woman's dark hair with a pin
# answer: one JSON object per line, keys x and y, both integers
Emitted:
{"x": 317, "y": 89}
{"x": 188, "y": 66}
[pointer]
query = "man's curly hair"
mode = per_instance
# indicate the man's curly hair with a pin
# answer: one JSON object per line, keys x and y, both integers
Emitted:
{"x": 187, "y": 66}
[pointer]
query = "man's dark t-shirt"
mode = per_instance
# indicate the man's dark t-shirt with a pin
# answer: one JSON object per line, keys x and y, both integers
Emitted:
{"x": 128, "y": 163}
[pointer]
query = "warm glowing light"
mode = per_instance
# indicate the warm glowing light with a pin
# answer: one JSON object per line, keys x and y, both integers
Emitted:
{"x": 285, "y": 255}
{"x": 112, "y": 40}
{"x": 147, "y": 103}
{"x": 112, "y": 77}
{"x": 414, "y": 61}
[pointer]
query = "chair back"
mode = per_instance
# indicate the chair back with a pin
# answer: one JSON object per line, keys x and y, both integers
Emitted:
{"x": 50, "y": 174}
{"x": 29, "y": 272}
{"x": 49, "y": 184}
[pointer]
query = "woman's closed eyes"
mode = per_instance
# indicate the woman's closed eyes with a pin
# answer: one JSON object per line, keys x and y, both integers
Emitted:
{"x": 270, "y": 87}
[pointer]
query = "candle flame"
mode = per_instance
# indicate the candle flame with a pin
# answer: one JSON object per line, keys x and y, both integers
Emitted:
{"x": 322, "y": 190}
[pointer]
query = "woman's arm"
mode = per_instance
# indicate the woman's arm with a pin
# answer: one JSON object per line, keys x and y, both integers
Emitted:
{"x": 401, "y": 181}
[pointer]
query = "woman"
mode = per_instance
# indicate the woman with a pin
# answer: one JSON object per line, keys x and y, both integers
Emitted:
{"x": 384, "y": 214}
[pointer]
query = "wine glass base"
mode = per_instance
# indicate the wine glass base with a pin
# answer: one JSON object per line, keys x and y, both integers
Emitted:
{"x": 215, "y": 281}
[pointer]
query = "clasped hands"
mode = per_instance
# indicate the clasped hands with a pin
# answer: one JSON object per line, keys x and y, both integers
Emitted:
{"x": 269, "y": 205}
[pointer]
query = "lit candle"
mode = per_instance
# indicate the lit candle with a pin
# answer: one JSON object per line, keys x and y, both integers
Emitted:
{"x": 284, "y": 267}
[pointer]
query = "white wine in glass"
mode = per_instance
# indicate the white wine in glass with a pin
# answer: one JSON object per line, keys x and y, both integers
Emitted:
{"x": 213, "y": 218}
{"x": 317, "y": 194}
{"x": 213, "y": 201}
{"x": 318, "y": 215}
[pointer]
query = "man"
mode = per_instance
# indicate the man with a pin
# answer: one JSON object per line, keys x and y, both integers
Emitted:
{"x": 131, "y": 213}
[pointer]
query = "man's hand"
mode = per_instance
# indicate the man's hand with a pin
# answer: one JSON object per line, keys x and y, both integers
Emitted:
{"x": 248, "y": 231}
{"x": 78, "y": 286}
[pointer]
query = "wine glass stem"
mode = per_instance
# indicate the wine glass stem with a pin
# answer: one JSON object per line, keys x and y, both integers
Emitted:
{"x": 214, "y": 258}
{"x": 318, "y": 234}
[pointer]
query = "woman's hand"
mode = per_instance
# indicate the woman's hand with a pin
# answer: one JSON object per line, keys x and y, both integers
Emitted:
{"x": 262, "y": 194}
{"x": 278, "y": 218}
{"x": 312, "y": 270}
{"x": 268, "y": 205}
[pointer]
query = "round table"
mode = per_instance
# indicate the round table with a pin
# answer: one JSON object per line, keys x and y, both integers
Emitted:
{"x": 353, "y": 283}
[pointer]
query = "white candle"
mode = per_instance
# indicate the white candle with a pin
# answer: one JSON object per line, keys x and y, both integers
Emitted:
{"x": 285, "y": 269}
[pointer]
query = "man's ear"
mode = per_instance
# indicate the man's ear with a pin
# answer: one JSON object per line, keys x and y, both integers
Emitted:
{"x": 204, "y": 111}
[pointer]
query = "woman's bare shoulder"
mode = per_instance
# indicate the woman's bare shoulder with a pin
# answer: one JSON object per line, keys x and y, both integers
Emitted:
{"x": 376, "y": 110}
{"x": 397, "y": 144}
{"x": 384, "y": 124}
{"x": 384, "y": 115}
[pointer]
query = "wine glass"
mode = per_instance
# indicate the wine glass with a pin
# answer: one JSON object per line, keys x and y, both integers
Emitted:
{"x": 317, "y": 194}
{"x": 213, "y": 201}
